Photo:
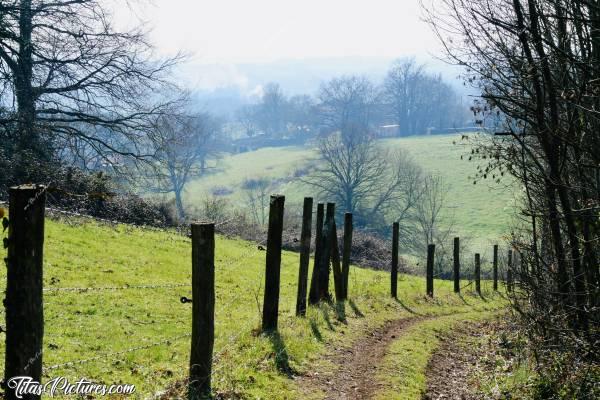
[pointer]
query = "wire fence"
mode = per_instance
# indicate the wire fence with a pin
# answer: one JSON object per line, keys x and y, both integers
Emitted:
{"x": 118, "y": 355}
{"x": 254, "y": 284}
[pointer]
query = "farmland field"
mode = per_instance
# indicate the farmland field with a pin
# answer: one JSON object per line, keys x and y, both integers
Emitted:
{"x": 113, "y": 313}
{"x": 480, "y": 213}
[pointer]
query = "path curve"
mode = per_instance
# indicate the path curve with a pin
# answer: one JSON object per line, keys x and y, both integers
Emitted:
{"x": 355, "y": 377}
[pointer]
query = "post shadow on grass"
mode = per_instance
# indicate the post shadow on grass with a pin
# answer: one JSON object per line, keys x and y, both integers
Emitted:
{"x": 282, "y": 359}
{"x": 407, "y": 308}
{"x": 324, "y": 308}
{"x": 355, "y": 309}
{"x": 340, "y": 311}
{"x": 315, "y": 330}
{"x": 482, "y": 297}
{"x": 462, "y": 297}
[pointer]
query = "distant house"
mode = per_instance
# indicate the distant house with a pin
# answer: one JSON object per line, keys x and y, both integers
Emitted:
{"x": 391, "y": 130}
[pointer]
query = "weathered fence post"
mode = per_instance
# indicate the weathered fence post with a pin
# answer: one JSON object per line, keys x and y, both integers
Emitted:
{"x": 394, "y": 274}
{"x": 336, "y": 265}
{"x": 509, "y": 272}
{"x": 326, "y": 250}
{"x": 313, "y": 297}
{"x": 430, "y": 261}
{"x": 456, "y": 274}
{"x": 346, "y": 251}
{"x": 24, "y": 286}
{"x": 478, "y": 273}
{"x": 273, "y": 264}
{"x": 304, "y": 256}
{"x": 495, "y": 267}
{"x": 203, "y": 310}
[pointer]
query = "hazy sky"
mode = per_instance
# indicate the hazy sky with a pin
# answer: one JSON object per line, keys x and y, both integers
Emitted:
{"x": 219, "y": 35}
{"x": 264, "y": 30}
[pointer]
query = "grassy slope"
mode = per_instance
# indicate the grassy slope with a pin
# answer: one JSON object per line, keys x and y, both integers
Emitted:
{"x": 481, "y": 212}
{"x": 88, "y": 324}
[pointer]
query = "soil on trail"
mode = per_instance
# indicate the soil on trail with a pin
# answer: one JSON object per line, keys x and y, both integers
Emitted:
{"x": 355, "y": 378}
{"x": 451, "y": 369}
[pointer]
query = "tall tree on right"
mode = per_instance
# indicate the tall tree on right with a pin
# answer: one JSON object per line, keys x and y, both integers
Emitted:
{"x": 537, "y": 62}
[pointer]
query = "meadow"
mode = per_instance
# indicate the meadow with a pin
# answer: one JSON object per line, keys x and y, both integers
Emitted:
{"x": 481, "y": 214}
{"x": 113, "y": 313}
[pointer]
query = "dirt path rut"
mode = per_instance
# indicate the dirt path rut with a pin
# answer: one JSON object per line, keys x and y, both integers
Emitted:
{"x": 356, "y": 376}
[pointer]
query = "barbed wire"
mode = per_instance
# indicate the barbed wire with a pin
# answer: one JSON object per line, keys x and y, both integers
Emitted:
{"x": 167, "y": 341}
{"x": 114, "y": 288}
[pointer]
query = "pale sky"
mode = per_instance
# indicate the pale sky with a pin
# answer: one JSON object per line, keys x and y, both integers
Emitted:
{"x": 263, "y": 30}
{"x": 229, "y": 32}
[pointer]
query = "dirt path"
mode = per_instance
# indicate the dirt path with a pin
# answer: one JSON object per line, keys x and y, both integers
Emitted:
{"x": 451, "y": 368}
{"x": 355, "y": 377}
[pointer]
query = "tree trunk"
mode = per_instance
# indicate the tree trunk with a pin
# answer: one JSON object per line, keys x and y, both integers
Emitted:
{"x": 179, "y": 204}
{"x": 30, "y": 153}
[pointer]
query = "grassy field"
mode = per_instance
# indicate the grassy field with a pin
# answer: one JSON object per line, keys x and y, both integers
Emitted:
{"x": 480, "y": 213}
{"x": 140, "y": 335}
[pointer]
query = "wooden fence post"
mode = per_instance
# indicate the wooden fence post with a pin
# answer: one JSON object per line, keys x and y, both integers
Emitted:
{"x": 313, "y": 297}
{"x": 495, "y": 267}
{"x": 336, "y": 265}
{"x": 24, "y": 285}
{"x": 456, "y": 274}
{"x": 509, "y": 272}
{"x": 326, "y": 250}
{"x": 346, "y": 251}
{"x": 273, "y": 264}
{"x": 394, "y": 274}
{"x": 304, "y": 256}
{"x": 478, "y": 273}
{"x": 203, "y": 309}
{"x": 430, "y": 261}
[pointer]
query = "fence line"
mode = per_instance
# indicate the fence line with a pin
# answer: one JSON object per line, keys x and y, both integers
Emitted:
{"x": 167, "y": 341}
{"x": 328, "y": 246}
{"x": 114, "y": 288}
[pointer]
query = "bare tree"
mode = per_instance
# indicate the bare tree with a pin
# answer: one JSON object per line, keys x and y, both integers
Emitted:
{"x": 417, "y": 100}
{"x": 247, "y": 117}
{"x": 181, "y": 144}
{"x": 401, "y": 88}
{"x": 271, "y": 110}
{"x": 70, "y": 76}
{"x": 363, "y": 178}
{"x": 257, "y": 192}
{"x": 536, "y": 63}
{"x": 430, "y": 206}
{"x": 428, "y": 215}
{"x": 347, "y": 105}
{"x": 302, "y": 113}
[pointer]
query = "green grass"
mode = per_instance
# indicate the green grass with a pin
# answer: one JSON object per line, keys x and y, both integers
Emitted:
{"x": 230, "y": 171}
{"x": 480, "y": 213}
{"x": 83, "y": 325}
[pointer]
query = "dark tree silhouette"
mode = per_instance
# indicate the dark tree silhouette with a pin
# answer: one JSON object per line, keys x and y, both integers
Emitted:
{"x": 68, "y": 77}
